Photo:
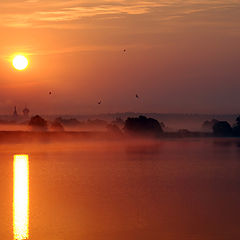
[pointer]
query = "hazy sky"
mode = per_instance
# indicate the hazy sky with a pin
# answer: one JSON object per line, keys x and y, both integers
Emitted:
{"x": 182, "y": 55}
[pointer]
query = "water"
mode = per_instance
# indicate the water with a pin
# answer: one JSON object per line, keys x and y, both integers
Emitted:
{"x": 167, "y": 189}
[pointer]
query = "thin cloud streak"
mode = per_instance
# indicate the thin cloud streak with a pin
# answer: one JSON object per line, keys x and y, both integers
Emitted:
{"x": 28, "y": 51}
{"x": 44, "y": 14}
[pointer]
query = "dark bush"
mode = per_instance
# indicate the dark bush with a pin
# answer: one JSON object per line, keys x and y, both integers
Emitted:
{"x": 143, "y": 125}
{"x": 238, "y": 120}
{"x": 37, "y": 123}
{"x": 236, "y": 127}
{"x": 222, "y": 129}
{"x": 208, "y": 125}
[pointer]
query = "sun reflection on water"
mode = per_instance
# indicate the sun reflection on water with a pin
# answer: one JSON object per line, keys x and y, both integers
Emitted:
{"x": 20, "y": 197}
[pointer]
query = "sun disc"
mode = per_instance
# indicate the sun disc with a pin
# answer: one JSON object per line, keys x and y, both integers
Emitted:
{"x": 20, "y": 62}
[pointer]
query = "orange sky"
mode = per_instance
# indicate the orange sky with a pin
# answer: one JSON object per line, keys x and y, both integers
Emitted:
{"x": 182, "y": 55}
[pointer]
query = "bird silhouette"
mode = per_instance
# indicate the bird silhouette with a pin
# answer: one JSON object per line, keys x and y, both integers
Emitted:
{"x": 137, "y": 96}
{"x": 50, "y": 93}
{"x": 100, "y": 102}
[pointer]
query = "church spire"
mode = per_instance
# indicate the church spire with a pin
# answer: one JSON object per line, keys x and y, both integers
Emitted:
{"x": 15, "y": 114}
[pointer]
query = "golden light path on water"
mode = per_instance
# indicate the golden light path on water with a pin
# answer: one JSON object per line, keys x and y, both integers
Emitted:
{"x": 20, "y": 197}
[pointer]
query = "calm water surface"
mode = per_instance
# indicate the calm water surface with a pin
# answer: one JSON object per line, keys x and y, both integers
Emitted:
{"x": 166, "y": 189}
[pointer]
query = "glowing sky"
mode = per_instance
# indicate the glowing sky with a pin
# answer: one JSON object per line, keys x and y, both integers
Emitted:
{"x": 182, "y": 55}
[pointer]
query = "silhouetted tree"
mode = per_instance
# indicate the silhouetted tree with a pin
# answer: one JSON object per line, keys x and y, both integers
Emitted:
{"x": 143, "y": 125}
{"x": 208, "y": 125}
{"x": 236, "y": 127}
{"x": 238, "y": 120}
{"x": 38, "y": 123}
{"x": 222, "y": 129}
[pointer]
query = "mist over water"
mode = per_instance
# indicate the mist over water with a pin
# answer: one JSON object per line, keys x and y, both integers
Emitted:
{"x": 136, "y": 189}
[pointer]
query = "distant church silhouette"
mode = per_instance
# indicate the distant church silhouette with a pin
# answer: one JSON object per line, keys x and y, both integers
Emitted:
{"x": 15, "y": 114}
{"x": 25, "y": 111}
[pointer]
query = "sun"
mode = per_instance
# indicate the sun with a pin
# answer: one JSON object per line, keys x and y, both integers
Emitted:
{"x": 20, "y": 62}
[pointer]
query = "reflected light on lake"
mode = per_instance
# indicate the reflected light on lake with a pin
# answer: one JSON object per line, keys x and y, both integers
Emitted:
{"x": 20, "y": 197}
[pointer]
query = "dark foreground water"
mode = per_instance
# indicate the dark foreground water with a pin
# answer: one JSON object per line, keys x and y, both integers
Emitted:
{"x": 167, "y": 189}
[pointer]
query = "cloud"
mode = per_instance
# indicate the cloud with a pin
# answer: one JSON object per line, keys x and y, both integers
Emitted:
{"x": 52, "y": 13}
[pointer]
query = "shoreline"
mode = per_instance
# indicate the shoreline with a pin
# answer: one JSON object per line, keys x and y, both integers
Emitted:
{"x": 52, "y": 136}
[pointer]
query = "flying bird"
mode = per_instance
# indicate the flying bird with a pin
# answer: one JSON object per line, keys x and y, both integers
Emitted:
{"x": 100, "y": 102}
{"x": 50, "y": 93}
{"x": 137, "y": 96}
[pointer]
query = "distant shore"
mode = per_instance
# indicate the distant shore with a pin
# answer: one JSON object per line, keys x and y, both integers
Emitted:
{"x": 50, "y": 136}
